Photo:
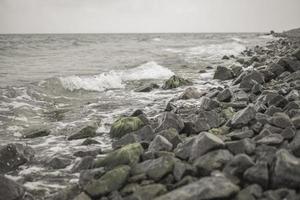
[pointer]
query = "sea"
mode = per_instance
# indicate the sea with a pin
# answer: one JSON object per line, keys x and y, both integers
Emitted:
{"x": 62, "y": 82}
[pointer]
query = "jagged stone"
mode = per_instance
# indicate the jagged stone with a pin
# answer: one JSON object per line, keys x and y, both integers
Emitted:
{"x": 125, "y": 125}
{"x": 160, "y": 143}
{"x": 225, "y": 95}
{"x": 258, "y": 173}
{"x": 175, "y": 82}
{"x": 86, "y": 132}
{"x": 243, "y": 117}
{"x": 246, "y": 146}
{"x": 170, "y": 120}
{"x": 223, "y": 73}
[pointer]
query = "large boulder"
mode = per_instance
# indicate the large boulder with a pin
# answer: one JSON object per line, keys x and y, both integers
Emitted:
{"x": 110, "y": 181}
{"x": 127, "y": 155}
{"x": 170, "y": 120}
{"x": 160, "y": 143}
{"x": 225, "y": 95}
{"x": 86, "y": 132}
{"x": 175, "y": 82}
{"x": 10, "y": 190}
{"x": 223, "y": 73}
{"x": 286, "y": 171}
{"x": 190, "y": 93}
{"x": 125, "y": 125}
{"x": 207, "y": 188}
{"x": 243, "y": 117}
{"x": 250, "y": 79}
{"x": 13, "y": 155}
{"x": 155, "y": 168}
{"x": 172, "y": 136}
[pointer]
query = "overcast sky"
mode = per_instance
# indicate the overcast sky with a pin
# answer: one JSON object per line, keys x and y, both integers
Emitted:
{"x": 97, "y": 16}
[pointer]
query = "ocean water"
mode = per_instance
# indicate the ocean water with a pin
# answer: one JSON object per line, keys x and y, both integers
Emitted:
{"x": 63, "y": 82}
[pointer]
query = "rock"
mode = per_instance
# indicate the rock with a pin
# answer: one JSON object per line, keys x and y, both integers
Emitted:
{"x": 289, "y": 64}
{"x": 83, "y": 164}
{"x": 127, "y": 155}
{"x": 240, "y": 134}
{"x": 214, "y": 160}
{"x": 281, "y": 120}
{"x": 207, "y": 188}
{"x": 250, "y": 78}
{"x": 82, "y": 196}
{"x": 172, "y": 136}
{"x": 125, "y": 140}
{"x": 36, "y": 132}
{"x": 170, "y": 120}
{"x": 190, "y": 93}
{"x": 246, "y": 146}
{"x": 286, "y": 171}
{"x": 70, "y": 192}
{"x": 87, "y": 176}
{"x": 258, "y": 173}
{"x": 223, "y": 73}
{"x": 175, "y": 81}
{"x": 265, "y": 153}
{"x": 160, "y": 143}
{"x": 281, "y": 193}
{"x": 59, "y": 162}
{"x": 146, "y": 133}
{"x": 251, "y": 192}
{"x": 295, "y": 145}
{"x": 208, "y": 104}
{"x": 296, "y": 54}
{"x": 276, "y": 69}
{"x": 183, "y": 150}
{"x": 278, "y": 100}
{"x": 273, "y": 139}
{"x": 125, "y": 125}
{"x": 207, "y": 120}
{"x": 243, "y": 117}
{"x": 288, "y": 133}
{"x": 10, "y": 190}
{"x": 296, "y": 122}
{"x": 225, "y": 57}
{"x": 155, "y": 168}
{"x": 182, "y": 169}
{"x": 225, "y": 95}
{"x": 110, "y": 181}
{"x": 86, "y": 132}
{"x": 13, "y": 155}
{"x": 93, "y": 152}
{"x": 272, "y": 110}
{"x": 205, "y": 142}
{"x": 147, "y": 88}
{"x": 238, "y": 165}
{"x": 89, "y": 141}
{"x": 149, "y": 192}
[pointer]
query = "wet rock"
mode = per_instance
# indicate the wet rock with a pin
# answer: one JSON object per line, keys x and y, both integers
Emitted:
{"x": 207, "y": 188}
{"x": 160, "y": 143}
{"x": 146, "y": 133}
{"x": 208, "y": 104}
{"x": 36, "y": 132}
{"x": 246, "y": 146}
{"x": 172, "y": 136}
{"x": 89, "y": 141}
{"x": 225, "y": 95}
{"x": 182, "y": 169}
{"x": 125, "y": 125}
{"x": 205, "y": 142}
{"x": 93, "y": 152}
{"x": 83, "y": 164}
{"x": 190, "y": 93}
{"x": 286, "y": 171}
{"x": 13, "y": 155}
{"x": 149, "y": 192}
{"x": 67, "y": 193}
{"x": 10, "y": 190}
{"x": 127, "y": 155}
{"x": 214, "y": 160}
{"x": 170, "y": 120}
{"x": 225, "y": 57}
{"x": 155, "y": 168}
{"x": 251, "y": 192}
{"x": 86, "y": 132}
{"x": 243, "y": 117}
{"x": 125, "y": 140}
{"x": 281, "y": 120}
{"x": 258, "y": 173}
{"x": 147, "y": 88}
{"x": 87, "y": 176}
{"x": 223, "y": 73}
{"x": 59, "y": 162}
{"x": 110, "y": 181}
{"x": 273, "y": 139}
{"x": 250, "y": 79}
{"x": 176, "y": 81}
{"x": 183, "y": 150}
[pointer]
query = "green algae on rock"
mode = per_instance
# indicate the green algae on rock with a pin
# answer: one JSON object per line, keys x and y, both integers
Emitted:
{"x": 125, "y": 125}
{"x": 175, "y": 82}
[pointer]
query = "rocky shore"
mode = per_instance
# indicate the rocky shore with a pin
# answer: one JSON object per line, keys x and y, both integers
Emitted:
{"x": 241, "y": 141}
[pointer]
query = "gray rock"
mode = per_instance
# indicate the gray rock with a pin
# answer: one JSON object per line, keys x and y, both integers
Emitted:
{"x": 213, "y": 119}
{"x": 223, "y": 73}
{"x": 281, "y": 193}
{"x": 146, "y": 133}
{"x": 208, "y": 104}
{"x": 281, "y": 120}
{"x": 273, "y": 139}
{"x": 10, "y": 190}
{"x": 59, "y": 162}
{"x": 243, "y": 117}
{"x": 149, "y": 192}
{"x": 83, "y": 164}
{"x": 296, "y": 122}
{"x": 288, "y": 133}
{"x": 172, "y": 136}
{"x": 246, "y": 146}
{"x": 272, "y": 110}
{"x": 125, "y": 140}
{"x": 182, "y": 169}
{"x": 160, "y": 143}
{"x": 89, "y": 141}
{"x": 155, "y": 168}
{"x": 183, "y": 150}
{"x": 170, "y": 120}
{"x": 250, "y": 79}
{"x": 13, "y": 155}
{"x": 276, "y": 69}
{"x": 82, "y": 196}
{"x": 214, "y": 160}
{"x": 289, "y": 64}
{"x": 86, "y": 132}
{"x": 36, "y": 132}
{"x": 147, "y": 88}
{"x": 175, "y": 81}
{"x": 87, "y": 176}
{"x": 238, "y": 165}
{"x": 286, "y": 171}
{"x": 296, "y": 54}
{"x": 251, "y": 192}
{"x": 241, "y": 134}
{"x": 205, "y": 142}
{"x": 190, "y": 93}
{"x": 207, "y": 188}
{"x": 265, "y": 153}
{"x": 278, "y": 100}
{"x": 295, "y": 144}
{"x": 225, "y": 95}
{"x": 258, "y": 173}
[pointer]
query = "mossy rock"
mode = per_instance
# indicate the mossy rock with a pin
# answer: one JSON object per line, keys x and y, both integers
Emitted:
{"x": 86, "y": 132}
{"x": 228, "y": 113}
{"x": 125, "y": 125}
{"x": 149, "y": 192}
{"x": 127, "y": 155}
{"x": 110, "y": 181}
{"x": 175, "y": 82}
{"x": 219, "y": 131}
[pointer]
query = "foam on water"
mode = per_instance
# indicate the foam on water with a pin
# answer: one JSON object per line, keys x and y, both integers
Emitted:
{"x": 115, "y": 79}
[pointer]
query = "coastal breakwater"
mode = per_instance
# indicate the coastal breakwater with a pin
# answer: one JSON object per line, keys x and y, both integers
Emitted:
{"x": 240, "y": 140}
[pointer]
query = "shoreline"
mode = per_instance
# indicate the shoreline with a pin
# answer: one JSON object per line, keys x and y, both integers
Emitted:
{"x": 248, "y": 126}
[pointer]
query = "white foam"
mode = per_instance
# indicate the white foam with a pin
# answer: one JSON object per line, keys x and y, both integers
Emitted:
{"x": 115, "y": 79}
{"x": 268, "y": 37}
{"x": 156, "y": 39}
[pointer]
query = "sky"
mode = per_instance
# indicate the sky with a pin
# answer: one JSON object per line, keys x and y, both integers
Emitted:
{"x": 135, "y": 16}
